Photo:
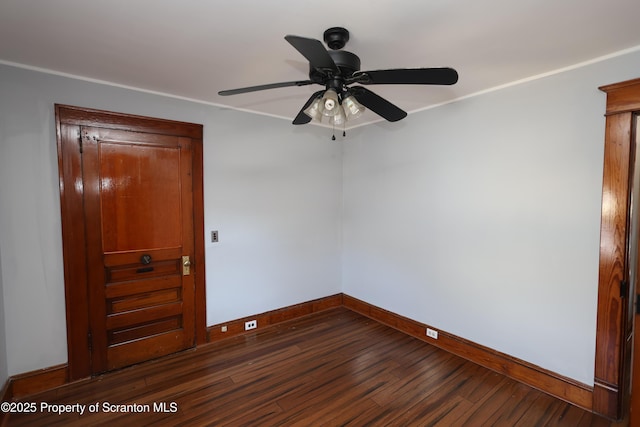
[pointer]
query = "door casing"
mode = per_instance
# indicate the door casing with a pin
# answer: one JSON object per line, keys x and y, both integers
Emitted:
{"x": 614, "y": 329}
{"x": 69, "y": 144}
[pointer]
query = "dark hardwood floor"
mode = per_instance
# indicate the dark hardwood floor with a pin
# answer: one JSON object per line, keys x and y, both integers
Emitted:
{"x": 332, "y": 368}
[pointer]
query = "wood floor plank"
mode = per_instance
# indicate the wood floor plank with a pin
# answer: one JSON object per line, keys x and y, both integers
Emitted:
{"x": 331, "y": 368}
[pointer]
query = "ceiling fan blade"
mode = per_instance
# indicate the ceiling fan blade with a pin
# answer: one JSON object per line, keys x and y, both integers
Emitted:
{"x": 314, "y": 51}
{"x": 264, "y": 87}
{"x": 377, "y": 104}
{"x": 408, "y": 76}
{"x": 302, "y": 118}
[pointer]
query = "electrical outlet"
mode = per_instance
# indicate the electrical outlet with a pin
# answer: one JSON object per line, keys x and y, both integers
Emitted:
{"x": 223, "y": 328}
{"x": 251, "y": 324}
{"x": 214, "y": 236}
{"x": 432, "y": 333}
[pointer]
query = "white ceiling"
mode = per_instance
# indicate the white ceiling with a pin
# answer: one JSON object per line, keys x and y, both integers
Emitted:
{"x": 194, "y": 48}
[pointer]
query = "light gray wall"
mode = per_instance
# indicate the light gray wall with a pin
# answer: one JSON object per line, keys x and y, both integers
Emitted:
{"x": 271, "y": 190}
{"x": 274, "y": 192}
{"x": 481, "y": 217}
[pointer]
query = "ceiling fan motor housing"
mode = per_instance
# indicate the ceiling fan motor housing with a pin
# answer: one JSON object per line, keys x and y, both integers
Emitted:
{"x": 347, "y": 62}
{"x": 336, "y": 37}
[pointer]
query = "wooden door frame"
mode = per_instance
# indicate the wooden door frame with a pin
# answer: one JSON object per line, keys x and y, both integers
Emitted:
{"x": 614, "y": 330}
{"x": 73, "y": 226}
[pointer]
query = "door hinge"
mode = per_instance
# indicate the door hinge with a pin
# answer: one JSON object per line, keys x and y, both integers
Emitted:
{"x": 90, "y": 341}
{"x": 82, "y": 138}
{"x": 85, "y": 136}
{"x": 637, "y": 303}
{"x": 624, "y": 289}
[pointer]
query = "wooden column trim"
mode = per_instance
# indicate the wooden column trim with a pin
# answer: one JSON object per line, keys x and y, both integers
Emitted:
{"x": 610, "y": 376}
{"x": 622, "y": 97}
{"x": 612, "y": 271}
{"x": 71, "y": 195}
{"x": 199, "y": 244}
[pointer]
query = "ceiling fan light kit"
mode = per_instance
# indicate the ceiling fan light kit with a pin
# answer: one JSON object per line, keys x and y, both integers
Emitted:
{"x": 352, "y": 108}
{"x": 330, "y": 103}
{"x": 337, "y": 70}
{"x": 338, "y": 119}
{"x": 313, "y": 111}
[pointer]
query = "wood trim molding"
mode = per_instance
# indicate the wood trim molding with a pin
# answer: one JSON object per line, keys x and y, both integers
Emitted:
{"x": 97, "y": 118}
{"x": 270, "y": 318}
{"x": 614, "y": 323}
{"x": 612, "y": 264}
{"x": 199, "y": 244}
{"x": 33, "y": 382}
{"x": 563, "y": 388}
{"x": 623, "y": 97}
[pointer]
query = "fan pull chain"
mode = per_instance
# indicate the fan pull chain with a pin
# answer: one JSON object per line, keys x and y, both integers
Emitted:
{"x": 344, "y": 131}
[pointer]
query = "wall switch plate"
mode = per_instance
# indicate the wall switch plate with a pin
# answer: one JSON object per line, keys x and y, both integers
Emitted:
{"x": 214, "y": 236}
{"x": 223, "y": 328}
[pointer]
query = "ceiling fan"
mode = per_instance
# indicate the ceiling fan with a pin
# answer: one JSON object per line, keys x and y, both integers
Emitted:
{"x": 337, "y": 70}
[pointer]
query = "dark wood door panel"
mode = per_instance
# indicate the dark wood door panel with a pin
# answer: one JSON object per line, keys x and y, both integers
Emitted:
{"x": 133, "y": 272}
{"x": 138, "y": 317}
{"x": 134, "y": 256}
{"x": 139, "y": 301}
{"x": 152, "y": 284}
{"x": 125, "y": 335}
{"x": 143, "y": 231}
{"x": 141, "y": 350}
{"x": 140, "y": 194}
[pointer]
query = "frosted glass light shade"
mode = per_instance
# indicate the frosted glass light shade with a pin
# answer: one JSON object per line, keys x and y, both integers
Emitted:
{"x": 339, "y": 118}
{"x": 352, "y": 108}
{"x": 330, "y": 103}
{"x": 315, "y": 110}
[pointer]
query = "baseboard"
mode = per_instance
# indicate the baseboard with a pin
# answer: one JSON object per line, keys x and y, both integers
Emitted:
{"x": 270, "y": 318}
{"x": 36, "y": 381}
{"x": 30, "y": 383}
{"x": 556, "y": 385}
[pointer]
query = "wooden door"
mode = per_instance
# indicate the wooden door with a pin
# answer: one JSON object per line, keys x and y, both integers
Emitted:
{"x": 140, "y": 229}
{"x": 131, "y": 202}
